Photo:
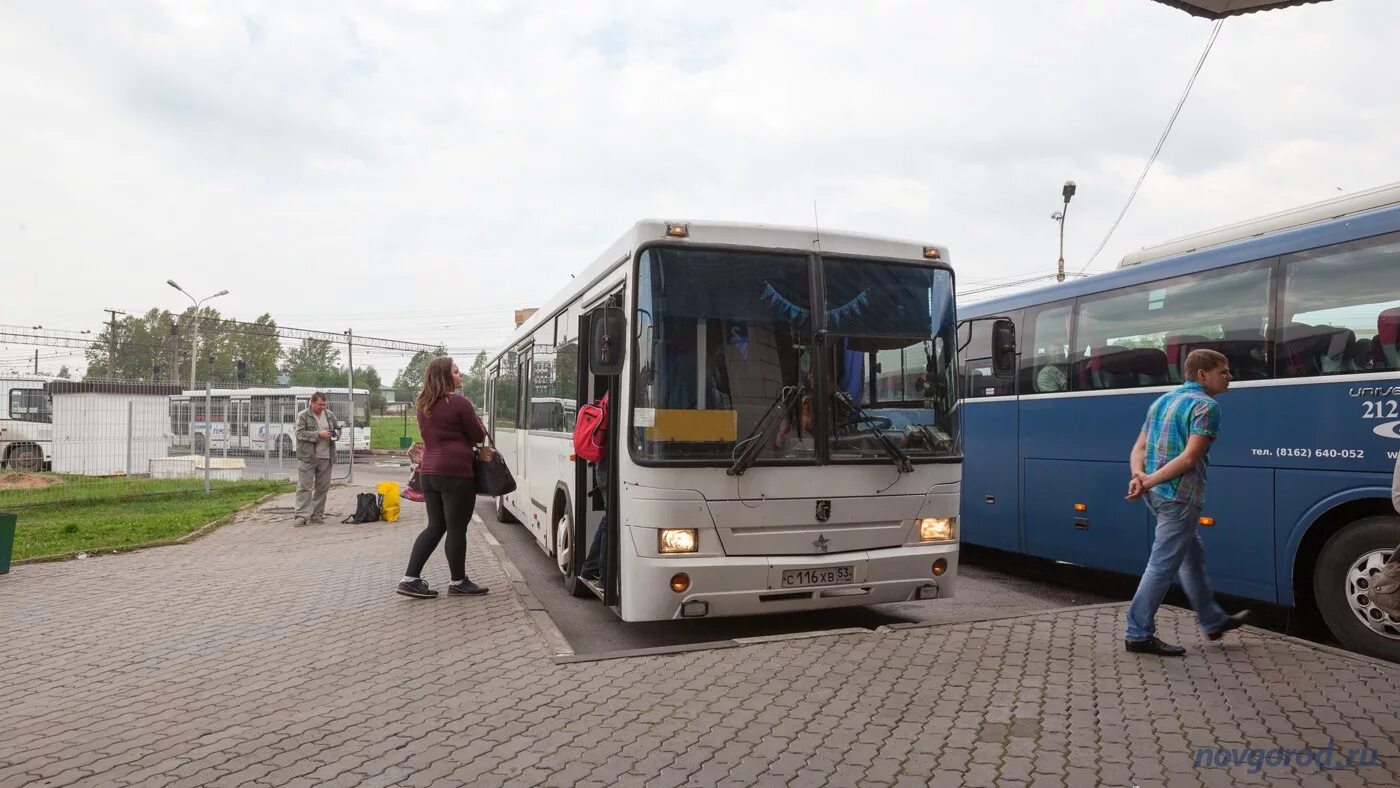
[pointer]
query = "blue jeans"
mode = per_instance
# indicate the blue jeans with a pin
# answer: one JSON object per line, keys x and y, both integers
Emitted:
{"x": 1176, "y": 554}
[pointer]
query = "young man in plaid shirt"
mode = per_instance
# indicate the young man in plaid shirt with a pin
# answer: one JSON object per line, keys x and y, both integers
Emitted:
{"x": 1169, "y": 467}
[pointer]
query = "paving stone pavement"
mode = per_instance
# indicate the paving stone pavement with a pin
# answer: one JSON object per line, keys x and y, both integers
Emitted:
{"x": 263, "y": 655}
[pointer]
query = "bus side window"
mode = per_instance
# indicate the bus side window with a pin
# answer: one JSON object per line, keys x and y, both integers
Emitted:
{"x": 1341, "y": 309}
{"x": 1045, "y": 358}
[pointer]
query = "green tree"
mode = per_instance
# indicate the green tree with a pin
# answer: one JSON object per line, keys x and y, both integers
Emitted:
{"x": 410, "y": 379}
{"x": 316, "y": 362}
{"x": 474, "y": 382}
{"x": 260, "y": 349}
{"x": 368, "y": 378}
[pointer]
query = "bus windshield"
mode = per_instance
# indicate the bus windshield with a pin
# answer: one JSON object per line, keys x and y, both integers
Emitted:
{"x": 725, "y": 357}
{"x": 891, "y": 359}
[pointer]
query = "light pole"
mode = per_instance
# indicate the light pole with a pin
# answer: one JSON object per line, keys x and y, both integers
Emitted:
{"x": 1059, "y": 216}
{"x": 194, "y": 341}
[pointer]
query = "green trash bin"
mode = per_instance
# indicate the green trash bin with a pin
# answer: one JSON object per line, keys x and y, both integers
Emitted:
{"x": 7, "y": 540}
{"x": 405, "y": 442}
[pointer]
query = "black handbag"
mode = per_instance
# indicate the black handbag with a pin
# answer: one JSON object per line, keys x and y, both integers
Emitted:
{"x": 492, "y": 476}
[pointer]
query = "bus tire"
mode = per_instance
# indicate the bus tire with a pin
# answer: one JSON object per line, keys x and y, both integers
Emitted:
{"x": 1345, "y": 566}
{"x": 503, "y": 514}
{"x": 26, "y": 457}
{"x": 566, "y": 557}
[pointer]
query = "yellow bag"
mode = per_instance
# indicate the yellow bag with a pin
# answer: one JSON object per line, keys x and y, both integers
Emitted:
{"x": 389, "y": 508}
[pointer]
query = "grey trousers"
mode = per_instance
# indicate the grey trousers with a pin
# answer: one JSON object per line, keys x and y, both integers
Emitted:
{"x": 313, "y": 481}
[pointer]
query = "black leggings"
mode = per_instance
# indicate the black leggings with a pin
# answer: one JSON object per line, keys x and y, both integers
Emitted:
{"x": 450, "y": 501}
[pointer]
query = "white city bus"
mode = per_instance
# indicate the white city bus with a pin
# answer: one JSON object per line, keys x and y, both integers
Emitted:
{"x": 26, "y": 423}
{"x": 784, "y": 421}
{"x": 255, "y": 419}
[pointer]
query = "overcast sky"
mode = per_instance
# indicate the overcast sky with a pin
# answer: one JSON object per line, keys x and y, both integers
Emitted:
{"x": 418, "y": 170}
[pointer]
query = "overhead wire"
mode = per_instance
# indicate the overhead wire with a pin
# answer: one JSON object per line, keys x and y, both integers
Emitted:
{"x": 1161, "y": 141}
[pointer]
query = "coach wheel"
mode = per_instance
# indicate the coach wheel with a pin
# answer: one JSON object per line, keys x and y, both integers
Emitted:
{"x": 26, "y": 458}
{"x": 1345, "y": 570}
{"x": 503, "y": 514}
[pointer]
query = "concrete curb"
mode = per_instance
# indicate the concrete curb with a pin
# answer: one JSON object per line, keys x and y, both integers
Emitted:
{"x": 203, "y": 530}
{"x": 534, "y": 609}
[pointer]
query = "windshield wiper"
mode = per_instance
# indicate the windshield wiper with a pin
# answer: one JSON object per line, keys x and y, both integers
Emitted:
{"x": 754, "y": 441}
{"x": 901, "y": 460}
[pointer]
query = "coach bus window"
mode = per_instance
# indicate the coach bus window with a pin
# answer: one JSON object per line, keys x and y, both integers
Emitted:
{"x": 891, "y": 355}
{"x": 723, "y": 343}
{"x": 1140, "y": 336}
{"x": 1341, "y": 309}
{"x": 1045, "y": 362}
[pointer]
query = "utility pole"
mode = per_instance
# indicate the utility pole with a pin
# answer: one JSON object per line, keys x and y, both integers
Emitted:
{"x": 112, "y": 342}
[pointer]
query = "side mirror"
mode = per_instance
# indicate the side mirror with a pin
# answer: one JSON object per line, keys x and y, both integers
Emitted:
{"x": 608, "y": 344}
{"x": 1004, "y": 349}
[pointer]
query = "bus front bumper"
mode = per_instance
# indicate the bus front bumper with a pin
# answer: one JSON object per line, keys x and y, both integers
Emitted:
{"x": 755, "y": 585}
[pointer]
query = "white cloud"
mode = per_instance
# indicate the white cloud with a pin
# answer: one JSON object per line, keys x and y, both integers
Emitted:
{"x": 403, "y": 167}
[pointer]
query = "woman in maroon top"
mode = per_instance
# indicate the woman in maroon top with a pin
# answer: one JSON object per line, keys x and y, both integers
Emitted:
{"x": 451, "y": 432}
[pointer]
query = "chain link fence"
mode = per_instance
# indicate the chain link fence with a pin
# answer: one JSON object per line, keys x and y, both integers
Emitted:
{"x": 63, "y": 440}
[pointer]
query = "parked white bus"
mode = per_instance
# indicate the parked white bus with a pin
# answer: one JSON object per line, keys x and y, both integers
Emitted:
{"x": 252, "y": 419}
{"x": 784, "y": 421}
{"x": 26, "y": 423}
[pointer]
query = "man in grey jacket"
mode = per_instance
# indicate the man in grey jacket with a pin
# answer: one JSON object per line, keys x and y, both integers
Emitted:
{"x": 317, "y": 431}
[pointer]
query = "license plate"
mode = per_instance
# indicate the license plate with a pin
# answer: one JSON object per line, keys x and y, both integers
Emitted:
{"x": 828, "y": 576}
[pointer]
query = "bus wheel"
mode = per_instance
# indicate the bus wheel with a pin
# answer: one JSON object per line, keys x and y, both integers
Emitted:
{"x": 26, "y": 458}
{"x": 1345, "y": 568}
{"x": 503, "y": 514}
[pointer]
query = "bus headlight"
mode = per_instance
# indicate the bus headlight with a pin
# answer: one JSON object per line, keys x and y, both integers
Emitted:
{"x": 938, "y": 529}
{"x": 677, "y": 540}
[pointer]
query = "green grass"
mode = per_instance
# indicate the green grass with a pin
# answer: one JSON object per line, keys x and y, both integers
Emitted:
{"x": 137, "y": 517}
{"x": 385, "y": 431}
{"x": 77, "y": 489}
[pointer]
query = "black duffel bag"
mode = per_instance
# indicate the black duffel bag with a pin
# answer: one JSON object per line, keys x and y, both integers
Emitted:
{"x": 492, "y": 476}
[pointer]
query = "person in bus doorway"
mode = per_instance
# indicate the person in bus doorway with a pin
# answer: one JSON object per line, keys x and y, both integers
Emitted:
{"x": 451, "y": 432}
{"x": 317, "y": 431}
{"x": 1169, "y": 473}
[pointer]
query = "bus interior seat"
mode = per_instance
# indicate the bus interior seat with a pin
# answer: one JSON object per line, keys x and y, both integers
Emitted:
{"x": 1299, "y": 349}
{"x": 1244, "y": 347}
{"x": 1117, "y": 367}
{"x": 1178, "y": 348}
{"x": 1388, "y": 338}
{"x": 1337, "y": 352}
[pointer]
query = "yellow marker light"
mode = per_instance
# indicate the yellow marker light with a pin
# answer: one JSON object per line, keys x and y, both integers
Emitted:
{"x": 680, "y": 582}
{"x": 939, "y": 567}
{"x": 677, "y": 540}
{"x": 1208, "y": 522}
{"x": 678, "y": 230}
{"x": 938, "y": 529}
{"x": 1081, "y": 507}
{"x": 932, "y": 253}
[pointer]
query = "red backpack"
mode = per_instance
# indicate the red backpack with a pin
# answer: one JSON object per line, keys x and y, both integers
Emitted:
{"x": 591, "y": 431}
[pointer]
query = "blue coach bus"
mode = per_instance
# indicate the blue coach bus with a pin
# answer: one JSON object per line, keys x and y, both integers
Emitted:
{"x": 1306, "y": 305}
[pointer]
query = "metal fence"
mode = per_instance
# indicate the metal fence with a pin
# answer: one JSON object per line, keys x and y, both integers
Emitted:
{"x": 63, "y": 440}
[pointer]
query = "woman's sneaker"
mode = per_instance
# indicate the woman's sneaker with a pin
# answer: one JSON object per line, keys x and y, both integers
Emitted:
{"x": 467, "y": 588}
{"x": 418, "y": 589}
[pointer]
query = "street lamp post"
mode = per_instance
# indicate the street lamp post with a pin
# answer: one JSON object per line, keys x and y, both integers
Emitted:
{"x": 194, "y": 340}
{"x": 1059, "y": 216}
